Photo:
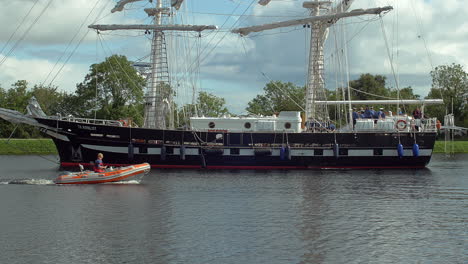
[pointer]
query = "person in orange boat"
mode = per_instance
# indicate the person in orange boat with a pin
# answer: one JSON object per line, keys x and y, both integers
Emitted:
{"x": 98, "y": 165}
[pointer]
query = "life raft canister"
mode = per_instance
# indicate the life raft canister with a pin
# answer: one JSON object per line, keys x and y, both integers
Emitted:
{"x": 401, "y": 124}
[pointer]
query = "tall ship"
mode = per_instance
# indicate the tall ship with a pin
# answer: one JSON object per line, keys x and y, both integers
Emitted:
{"x": 288, "y": 140}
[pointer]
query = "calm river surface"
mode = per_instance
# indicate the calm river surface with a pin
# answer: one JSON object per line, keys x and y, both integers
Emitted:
{"x": 333, "y": 216}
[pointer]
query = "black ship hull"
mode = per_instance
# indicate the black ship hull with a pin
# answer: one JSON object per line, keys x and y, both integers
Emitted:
{"x": 79, "y": 143}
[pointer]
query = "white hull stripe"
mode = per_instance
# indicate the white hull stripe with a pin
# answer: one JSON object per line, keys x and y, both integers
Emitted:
{"x": 275, "y": 152}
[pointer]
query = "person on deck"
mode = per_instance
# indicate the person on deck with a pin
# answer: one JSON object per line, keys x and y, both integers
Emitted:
{"x": 373, "y": 114}
{"x": 361, "y": 115}
{"x": 367, "y": 113}
{"x": 355, "y": 116}
{"x": 417, "y": 113}
{"x": 380, "y": 114}
{"x": 98, "y": 165}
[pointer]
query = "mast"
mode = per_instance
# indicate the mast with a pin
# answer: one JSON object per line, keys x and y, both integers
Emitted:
{"x": 319, "y": 24}
{"x": 159, "y": 78}
{"x": 315, "y": 89}
{"x": 158, "y": 98}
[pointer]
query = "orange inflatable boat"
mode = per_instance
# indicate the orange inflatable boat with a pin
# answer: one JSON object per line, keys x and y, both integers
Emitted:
{"x": 110, "y": 175}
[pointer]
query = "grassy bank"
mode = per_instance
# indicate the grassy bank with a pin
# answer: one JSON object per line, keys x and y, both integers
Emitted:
{"x": 46, "y": 146}
{"x": 27, "y": 146}
{"x": 458, "y": 146}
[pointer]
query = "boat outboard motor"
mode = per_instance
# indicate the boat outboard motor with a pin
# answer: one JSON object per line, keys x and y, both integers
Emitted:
{"x": 415, "y": 150}
{"x": 400, "y": 150}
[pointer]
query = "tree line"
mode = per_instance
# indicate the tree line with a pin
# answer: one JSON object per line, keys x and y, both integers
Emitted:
{"x": 449, "y": 82}
{"x": 113, "y": 90}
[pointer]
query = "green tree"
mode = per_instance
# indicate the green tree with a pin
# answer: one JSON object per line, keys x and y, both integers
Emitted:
{"x": 278, "y": 96}
{"x": 50, "y": 99}
{"x": 211, "y": 105}
{"x": 16, "y": 98}
{"x": 112, "y": 89}
{"x": 2, "y": 97}
{"x": 373, "y": 87}
{"x": 183, "y": 114}
{"x": 405, "y": 93}
{"x": 451, "y": 83}
{"x": 207, "y": 105}
{"x": 369, "y": 87}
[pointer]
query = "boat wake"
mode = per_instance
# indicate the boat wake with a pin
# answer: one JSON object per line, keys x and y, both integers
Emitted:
{"x": 28, "y": 181}
{"x": 50, "y": 182}
{"x": 125, "y": 182}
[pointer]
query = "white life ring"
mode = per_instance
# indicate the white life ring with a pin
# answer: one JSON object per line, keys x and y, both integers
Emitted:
{"x": 401, "y": 124}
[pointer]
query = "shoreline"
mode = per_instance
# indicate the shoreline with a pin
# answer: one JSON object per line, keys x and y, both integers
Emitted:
{"x": 31, "y": 146}
{"x": 45, "y": 146}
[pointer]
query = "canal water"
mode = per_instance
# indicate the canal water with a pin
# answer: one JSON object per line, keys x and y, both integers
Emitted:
{"x": 330, "y": 216}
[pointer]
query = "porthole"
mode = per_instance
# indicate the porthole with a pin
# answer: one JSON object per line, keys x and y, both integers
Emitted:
{"x": 211, "y": 125}
{"x": 247, "y": 125}
{"x": 287, "y": 125}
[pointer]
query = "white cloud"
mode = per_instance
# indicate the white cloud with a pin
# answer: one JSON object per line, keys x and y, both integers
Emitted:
{"x": 36, "y": 70}
{"x": 60, "y": 21}
{"x": 35, "y": 56}
{"x": 410, "y": 28}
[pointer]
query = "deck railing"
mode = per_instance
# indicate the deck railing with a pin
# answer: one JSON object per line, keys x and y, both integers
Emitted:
{"x": 396, "y": 124}
{"x": 93, "y": 121}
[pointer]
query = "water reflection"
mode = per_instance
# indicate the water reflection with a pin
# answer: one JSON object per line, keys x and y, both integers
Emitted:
{"x": 203, "y": 216}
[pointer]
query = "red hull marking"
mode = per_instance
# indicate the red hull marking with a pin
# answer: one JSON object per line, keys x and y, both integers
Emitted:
{"x": 220, "y": 167}
{"x": 104, "y": 181}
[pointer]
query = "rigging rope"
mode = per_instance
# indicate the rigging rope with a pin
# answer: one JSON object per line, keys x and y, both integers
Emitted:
{"x": 74, "y": 50}
{"x": 120, "y": 65}
{"x": 18, "y": 27}
{"x": 25, "y": 34}
{"x": 222, "y": 38}
{"x": 348, "y": 111}
{"x": 70, "y": 42}
{"x": 390, "y": 58}
{"x": 421, "y": 36}
{"x": 285, "y": 93}
{"x": 7, "y": 141}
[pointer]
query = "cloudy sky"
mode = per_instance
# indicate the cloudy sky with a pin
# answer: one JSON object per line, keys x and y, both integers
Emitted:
{"x": 47, "y": 41}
